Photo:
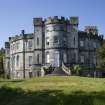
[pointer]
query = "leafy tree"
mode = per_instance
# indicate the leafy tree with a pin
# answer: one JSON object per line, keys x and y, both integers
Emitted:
{"x": 101, "y": 56}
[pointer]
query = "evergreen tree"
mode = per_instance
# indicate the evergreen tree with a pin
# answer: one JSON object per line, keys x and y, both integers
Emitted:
{"x": 2, "y": 51}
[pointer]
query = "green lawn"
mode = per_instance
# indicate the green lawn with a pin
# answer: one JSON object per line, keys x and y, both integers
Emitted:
{"x": 53, "y": 91}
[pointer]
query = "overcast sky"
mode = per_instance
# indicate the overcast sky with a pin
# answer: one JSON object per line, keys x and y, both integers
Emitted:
{"x": 16, "y": 15}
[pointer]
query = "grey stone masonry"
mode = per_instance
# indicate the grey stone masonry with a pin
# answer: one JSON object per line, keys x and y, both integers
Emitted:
{"x": 54, "y": 40}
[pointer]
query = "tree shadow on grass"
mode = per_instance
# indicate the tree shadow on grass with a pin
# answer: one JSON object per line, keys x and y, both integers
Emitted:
{"x": 11, "y": 96}
{"x": 11, "y": 81}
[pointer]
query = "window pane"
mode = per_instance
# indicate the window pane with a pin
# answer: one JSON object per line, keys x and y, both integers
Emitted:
{"x": 65, "y": 58}
{"x": 30, "y": 44}
{"x": 38, "y": 58}
{"x": 82, "y": 59}
{"x": 17, "y": 60}
{"x": 55, "y": 39}
{"x": 37, "y": 41}
{"x": 30, "y": 60}
{"x": 47, "y": 58}
{"x": 81, "y": 43}
{"x": 47, "y": 40}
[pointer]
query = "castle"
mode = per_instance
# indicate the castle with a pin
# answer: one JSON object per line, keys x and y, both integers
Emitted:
{"x": 54, "y": 40}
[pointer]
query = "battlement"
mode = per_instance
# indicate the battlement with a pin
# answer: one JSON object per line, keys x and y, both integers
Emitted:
{"x": 37, "y": 21}
{"x": 7, "y": 45}
{"x": 62, "y": 20}
{"x": 91, "y": 29}
{"x": 20, "y": 37}
{"x": 55, "y": 19}
{"x": 74, "y": 20}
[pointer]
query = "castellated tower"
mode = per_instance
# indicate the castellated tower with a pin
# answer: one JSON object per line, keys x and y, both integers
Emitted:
{"x": 72, "y": 39}
{"x": 38, "y": 58}
{"x": 7, "y": 59}
{"x": 55, "y": 41}
{"x": 61, "y": 41}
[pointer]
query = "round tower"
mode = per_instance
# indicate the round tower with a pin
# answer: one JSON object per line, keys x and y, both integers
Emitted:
{"x": 55, "y": 41}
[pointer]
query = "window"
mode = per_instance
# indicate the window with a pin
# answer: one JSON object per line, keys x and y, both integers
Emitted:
{"x": 30, "y": 44}
{"x": 30, "y": 60}
{"x": 81, "y": 43}
{"x": 47, "y": 40}
{"x": 38, "y": 58}
{"x": 13, "y": 46}
{"x": 17, "y": 60}
{"x": 94, "y": 60}
{"x": 64, "y": 57}
{"x": 17, "y": 45}
{"x": 55, "y": 39}
{"x": 37, "y": 29}
{"x": 94, "y": 44}
{"x": 62, "y": 28}
{"x": 47, "y": 58}
{"x": 82, "y": 59}
{"x": 7, "y": 52}
{"x": 37, "y": 41}
{"x": 74, "y": 41}
{"x": 18, "y": 74}
{"x": 13, "y": 62}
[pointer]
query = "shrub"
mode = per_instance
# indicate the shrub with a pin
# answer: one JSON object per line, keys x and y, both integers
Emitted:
{"x": 76, "y": 69}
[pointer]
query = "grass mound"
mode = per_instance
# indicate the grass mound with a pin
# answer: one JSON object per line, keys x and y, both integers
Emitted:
{"x": 53, "y": 91}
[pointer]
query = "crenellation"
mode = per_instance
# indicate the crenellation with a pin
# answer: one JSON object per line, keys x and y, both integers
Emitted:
{"x": 37, "y": 21}
{"x": 91, "y": 29}
{"x": 74, "y": 20}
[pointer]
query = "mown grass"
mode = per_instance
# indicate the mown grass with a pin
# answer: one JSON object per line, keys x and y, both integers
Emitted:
{"x": 53, "y": 91}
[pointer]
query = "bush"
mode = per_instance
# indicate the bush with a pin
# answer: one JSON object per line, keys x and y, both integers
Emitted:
{"x": 76, "y": 69}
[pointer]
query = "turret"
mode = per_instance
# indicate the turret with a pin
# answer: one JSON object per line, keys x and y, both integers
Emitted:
{"x": 74, "y": 20}
{"x": 55, "y": 20}
{"x": 37, "y": 21}
{"x": 91, "y": 29}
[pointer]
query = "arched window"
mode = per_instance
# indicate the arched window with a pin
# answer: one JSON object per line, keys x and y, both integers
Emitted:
{"x": 17, "y": 60}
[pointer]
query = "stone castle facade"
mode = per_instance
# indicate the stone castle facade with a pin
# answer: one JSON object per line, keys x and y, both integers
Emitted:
{"x": 54, "y": 40}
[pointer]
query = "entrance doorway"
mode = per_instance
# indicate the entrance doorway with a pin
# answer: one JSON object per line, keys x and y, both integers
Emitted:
{"x": 56, "y": 59}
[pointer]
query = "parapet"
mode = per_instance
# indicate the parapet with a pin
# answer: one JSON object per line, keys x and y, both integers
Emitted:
{"x": 37, "y": 21}
{"x": 54, "y": 20}
{"x": 21, "y": 36}
{"x": 74, "y": 20}
{"x": 7, "y": 45}
{"x": 91, "y": 29}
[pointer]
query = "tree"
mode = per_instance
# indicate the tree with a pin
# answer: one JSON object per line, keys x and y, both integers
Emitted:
{"x": 101, "y": 56}
{"x": 76, "y": 69}
{"x": 1, "y": 62}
